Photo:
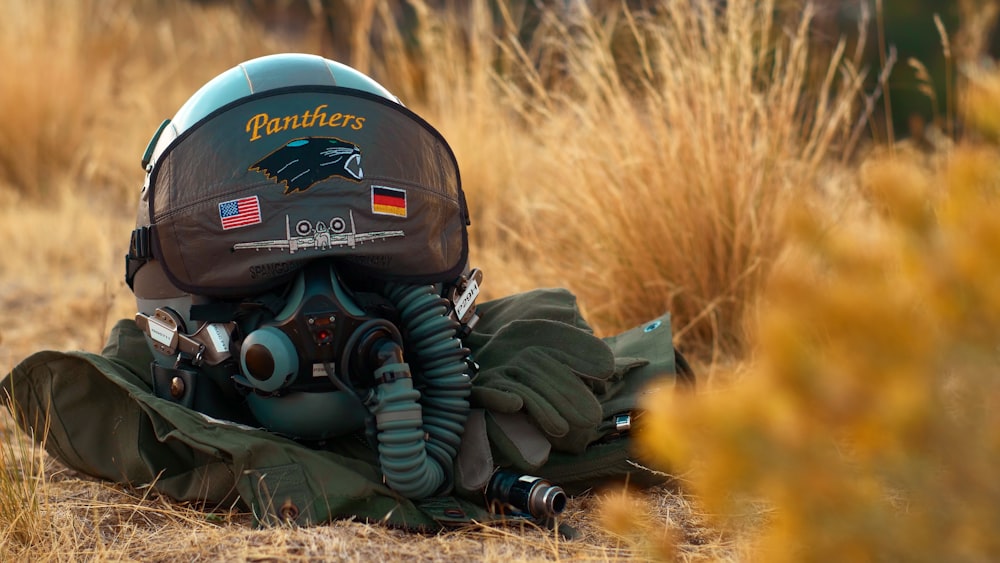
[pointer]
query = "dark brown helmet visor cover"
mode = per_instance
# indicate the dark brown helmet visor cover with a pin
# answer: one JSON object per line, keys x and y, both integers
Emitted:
{"x": 244, "y": 198}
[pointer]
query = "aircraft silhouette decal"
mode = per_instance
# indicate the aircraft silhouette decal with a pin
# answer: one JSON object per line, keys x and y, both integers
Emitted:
{"x": 318, "y": 236}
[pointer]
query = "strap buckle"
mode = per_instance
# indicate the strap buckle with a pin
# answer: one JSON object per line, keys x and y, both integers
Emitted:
{"x": 208, "y": 345}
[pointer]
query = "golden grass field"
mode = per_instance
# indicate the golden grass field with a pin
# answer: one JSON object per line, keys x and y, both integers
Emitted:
{"x": 839, "y": 298}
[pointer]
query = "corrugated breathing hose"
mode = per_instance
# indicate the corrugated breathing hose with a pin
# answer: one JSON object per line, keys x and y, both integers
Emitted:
{"x": 419, "y": 430}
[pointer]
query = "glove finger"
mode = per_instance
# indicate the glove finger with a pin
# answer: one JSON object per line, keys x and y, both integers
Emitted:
{"x": 493, "y": 399}
{"x": 496, "y": 391}
{"x": 588, "y": 358}
{"x": 514, "y": 439}
{"x": 561, "y": 389}
{"x": 547, "y": 416}
{"x": 582, "y": 352}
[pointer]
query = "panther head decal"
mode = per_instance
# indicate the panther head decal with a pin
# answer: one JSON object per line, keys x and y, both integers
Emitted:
{"x": 305, "y": 161}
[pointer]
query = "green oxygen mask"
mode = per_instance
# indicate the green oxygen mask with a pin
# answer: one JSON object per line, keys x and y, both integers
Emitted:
{"x": 320, "y": 336}
{"x": 416, "y": 402}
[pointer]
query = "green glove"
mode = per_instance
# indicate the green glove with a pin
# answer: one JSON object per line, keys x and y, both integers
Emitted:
{"x": 546, "y": 369}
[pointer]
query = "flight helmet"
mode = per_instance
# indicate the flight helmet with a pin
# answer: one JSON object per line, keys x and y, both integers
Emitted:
{"x": 284, "y": 204}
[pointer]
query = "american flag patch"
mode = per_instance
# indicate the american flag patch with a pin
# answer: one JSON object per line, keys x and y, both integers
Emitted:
{"x": 388, "y": 201}
{"x": 239, "y": 212}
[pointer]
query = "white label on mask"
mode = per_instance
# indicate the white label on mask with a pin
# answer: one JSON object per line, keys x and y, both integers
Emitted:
{"x": 220, "y": 338}
{"x": 320, "y": 371}
{"x": 466, "y": 300}
{"x": 160, "y": 332}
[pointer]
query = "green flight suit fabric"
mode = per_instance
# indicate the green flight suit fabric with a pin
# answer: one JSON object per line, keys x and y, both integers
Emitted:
{"x": 104, "y": 421}
{"x": 98, "y": 414}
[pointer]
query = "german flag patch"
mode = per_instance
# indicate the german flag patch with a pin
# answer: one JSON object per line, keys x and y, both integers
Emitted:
{"x": 388, "y": 201}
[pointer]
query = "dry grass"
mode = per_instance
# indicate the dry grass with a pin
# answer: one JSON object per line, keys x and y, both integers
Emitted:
{"x": 647, "y": 162}
{"x": 708, "y": 121}
{"x": 74, "y": 517}
{"x": 86, "y": 83}
{"x": 671, "y": 145}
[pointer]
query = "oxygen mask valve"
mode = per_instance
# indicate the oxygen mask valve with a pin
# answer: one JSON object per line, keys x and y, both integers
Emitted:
{"x": 508, "y": 491}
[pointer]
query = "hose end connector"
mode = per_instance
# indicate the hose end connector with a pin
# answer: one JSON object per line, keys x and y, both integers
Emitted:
{"x": 508, "y": 491}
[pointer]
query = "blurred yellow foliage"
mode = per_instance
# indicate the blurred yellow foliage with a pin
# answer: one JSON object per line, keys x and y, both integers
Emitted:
{"x": 870, "y": 422}
{"x": 981, "y": 102}
{"x": 626, "y": 515}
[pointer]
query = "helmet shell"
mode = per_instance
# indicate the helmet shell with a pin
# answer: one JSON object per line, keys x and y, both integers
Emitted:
{"x": 259, "y": 75}
{"x": 392, "y": 208}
